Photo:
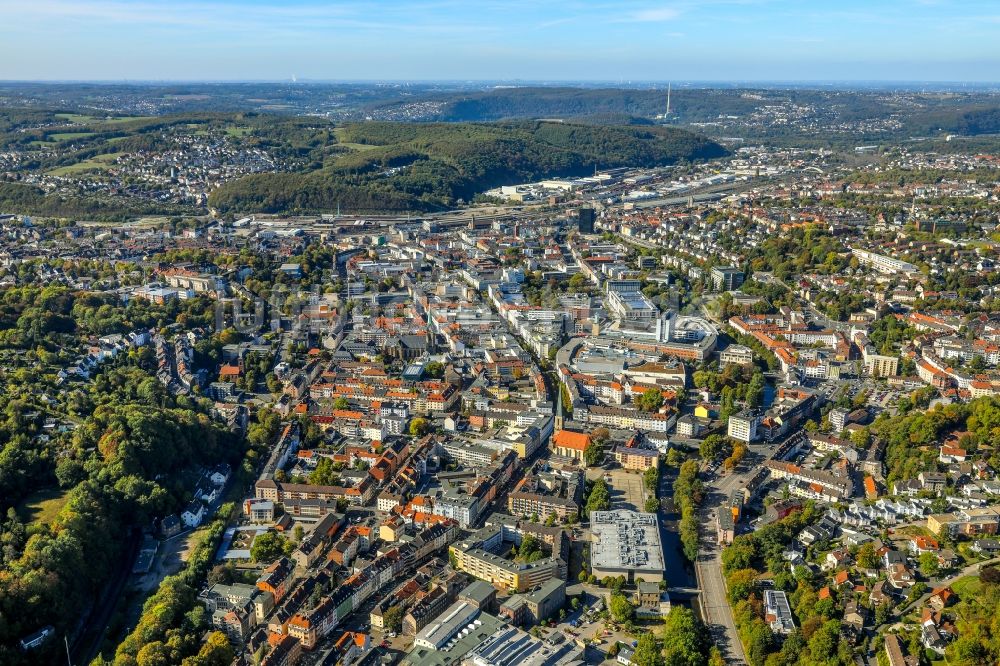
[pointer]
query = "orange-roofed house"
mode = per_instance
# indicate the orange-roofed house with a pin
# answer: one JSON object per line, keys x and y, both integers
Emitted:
{"x": 923, "y": 544}
{"x": 570, "y": 444}
{"x": 285, "y": 650}
{"x": 941, "y": 598}
{"x": 952, "y": 454}
{"x": 350, "y": 648}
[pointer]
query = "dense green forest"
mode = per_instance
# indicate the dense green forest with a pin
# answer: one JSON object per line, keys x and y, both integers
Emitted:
{"x": 909, "y": 437}
{"x": 431, "y": 166}
{"x": 978, "y": 620}
{"x": 124, "y": 464}
{"x": 967, "y": 121}
{"x": 126, "y": 451}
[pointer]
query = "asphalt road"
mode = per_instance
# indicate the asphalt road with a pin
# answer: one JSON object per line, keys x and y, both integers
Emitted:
{"x": 716, "y": 612}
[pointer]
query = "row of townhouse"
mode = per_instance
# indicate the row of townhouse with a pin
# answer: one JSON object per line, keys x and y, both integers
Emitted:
{"x": 882, "y": 511}
{"x": 278, "y": 492}
{"x": 932, "y": 371}
{"x": 626, "y": 418}
{"x": 812, "y": 483}
{"x": 430, "y": 397}
{"x": 953, "y": 347}
{"x": 311, "y": 626}
{"x": 545, "y": 495}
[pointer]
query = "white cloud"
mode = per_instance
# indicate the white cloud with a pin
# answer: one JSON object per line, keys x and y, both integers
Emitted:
{"x": 655, "y": 14}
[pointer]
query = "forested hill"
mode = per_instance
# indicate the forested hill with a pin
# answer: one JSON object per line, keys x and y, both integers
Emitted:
{"x": 552, "y": 102}
{"x": 427, "y": 166}
{"x": 914, "y": 114}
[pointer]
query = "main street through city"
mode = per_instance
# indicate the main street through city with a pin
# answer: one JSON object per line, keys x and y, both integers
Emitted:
{"x": 716, "y": 611}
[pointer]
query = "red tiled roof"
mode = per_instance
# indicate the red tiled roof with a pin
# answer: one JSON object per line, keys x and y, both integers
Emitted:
{"x": 568, "y": 439}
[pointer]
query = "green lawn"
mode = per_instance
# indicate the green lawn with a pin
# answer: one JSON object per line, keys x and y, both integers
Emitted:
{"x": 118, "y": 121}
{"x": 42, "y": 506}
{"x": 914, "y": 530}
{"x": 75, "y": 117}
{"x": 238, "y": 131}
{"x": 967, "y": 587}
{"x": 95, "y": 163}
{"x": 68, "y": 136}
{"x": 82, "y": 119}
{"x": 358, "y": 146}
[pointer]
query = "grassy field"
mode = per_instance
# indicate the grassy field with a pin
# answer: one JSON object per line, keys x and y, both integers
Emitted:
{"x": 42, "y": 506}
{"x": 82, "y": 119}
{"x": 76, "y": 117}
{"x": 96, "y": 163}
{"x": 238, "y": 131}
{"x": 68, "y": 136}
{"x": 339, "y": 132}
{"x": 914, "y": 530}
{"x": 967, "y": 587}
{"x": 358, "y": 146}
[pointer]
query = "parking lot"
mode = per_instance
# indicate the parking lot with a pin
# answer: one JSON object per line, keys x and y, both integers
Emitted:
{"x": 626, "y": 489}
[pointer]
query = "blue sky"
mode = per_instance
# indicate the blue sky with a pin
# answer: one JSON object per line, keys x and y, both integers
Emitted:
{"x": 636, "y": 40}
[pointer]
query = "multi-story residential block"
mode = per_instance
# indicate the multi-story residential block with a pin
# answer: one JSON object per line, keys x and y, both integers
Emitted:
{"x": 743, "y": 425}
{"x": 726, "y": 278}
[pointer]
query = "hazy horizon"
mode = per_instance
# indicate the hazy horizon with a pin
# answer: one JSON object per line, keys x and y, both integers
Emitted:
{"x": 638, "y": 84}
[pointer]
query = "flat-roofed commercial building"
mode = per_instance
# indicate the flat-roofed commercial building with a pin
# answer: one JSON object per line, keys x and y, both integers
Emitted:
{"x": 631, "y": 306}
{"x": 512, "y": 647}
{"x": 626, "y": 543}
{"x": 468, "y": 638}
{"x": 635, "y": 458}
{"x": 453, "y": 620}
